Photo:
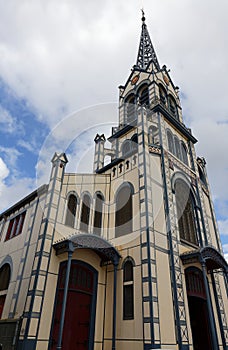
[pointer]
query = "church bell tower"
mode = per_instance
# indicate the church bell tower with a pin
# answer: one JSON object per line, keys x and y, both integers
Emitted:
{"x": 183, "y": 274}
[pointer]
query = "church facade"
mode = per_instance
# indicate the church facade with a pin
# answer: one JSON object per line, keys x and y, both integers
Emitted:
{"x": 128, "y": 257}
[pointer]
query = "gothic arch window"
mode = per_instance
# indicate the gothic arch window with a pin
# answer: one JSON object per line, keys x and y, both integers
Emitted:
{"x": 177, "y": 147}
{"x": 71, "y": 210}
{"x": 124, "y": 210}
{"x": 144, "y": 95}
{"x": 85, "y": 213}
{"x": 126, "y": 148}
{"x": 130, "y": 108}
{"x": 4, "y": 284}
{"x": 98, "y": 213}
{"x": 128, "y": 289}
{"x": 184, "y": 154}
{"x": 153, "y": 135}
{"x": 173, "y": 106}
{"x": 170, "y": 141}
{"x": 163, "y": 95}
{"x": 185, "y": 212}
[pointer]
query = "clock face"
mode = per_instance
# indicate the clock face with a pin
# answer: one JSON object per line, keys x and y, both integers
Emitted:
{"x": 166, "y": 79}
{"x": 134, "y": 79}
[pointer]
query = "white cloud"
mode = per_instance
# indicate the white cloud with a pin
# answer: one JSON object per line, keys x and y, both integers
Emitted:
{"x": 62, "y": 56}
{"x": 4, "y": 171}
{"x": 8, "y": 123}
{"x": 223, "y": 228}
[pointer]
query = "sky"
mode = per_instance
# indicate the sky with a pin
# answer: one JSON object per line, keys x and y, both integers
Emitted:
{"x": 61, "y": 63}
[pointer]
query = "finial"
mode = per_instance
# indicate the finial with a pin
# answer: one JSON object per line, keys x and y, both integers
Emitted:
{"x": 143, "y": 15}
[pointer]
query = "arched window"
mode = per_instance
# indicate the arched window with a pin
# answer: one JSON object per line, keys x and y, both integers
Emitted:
{"x": 128, "y": 289}
{"x": 184, "y": 155}
{"x": 126, "y": 148}
{"x": 4, "y": 284}
{"x": 173, "y": 106}
{"x": 85, "y": 213}
{"x": 185, "y": 212}
{"x": 124, "y": 210}
{"x": 130, "y": 108}
{"x": 71, "y": 210}
{"x": 134, "y": 143}
{"x": 163, "y": 96}
{"x": 177, "y": 148}
{"x": 144, "y": 96}
{"x": 153, "y": 137}
{"x": 170, "y": 141}
{"x": 98, "y": 213}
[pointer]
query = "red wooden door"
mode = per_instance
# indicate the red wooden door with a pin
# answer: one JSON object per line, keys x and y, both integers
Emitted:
{"x": 78, "y": 308}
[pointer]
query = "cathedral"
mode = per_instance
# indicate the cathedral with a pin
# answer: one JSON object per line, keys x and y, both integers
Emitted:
{"x": 129, "y": 256}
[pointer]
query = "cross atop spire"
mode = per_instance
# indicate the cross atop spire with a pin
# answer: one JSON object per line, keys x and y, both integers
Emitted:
{"x": 146, "y": 52}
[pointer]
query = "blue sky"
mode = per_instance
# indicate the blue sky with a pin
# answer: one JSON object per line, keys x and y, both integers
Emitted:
{"x": 57, "y": 59}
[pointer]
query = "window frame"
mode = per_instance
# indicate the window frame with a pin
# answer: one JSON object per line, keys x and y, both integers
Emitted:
{"x": 15, "y": 226}
{"x": 128, "y": 290}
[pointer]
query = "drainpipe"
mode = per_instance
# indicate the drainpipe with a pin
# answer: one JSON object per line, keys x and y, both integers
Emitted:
{"x": 62, "y": 319}
{"x": 114, "y": 306}
{"x": 209, "y": 307}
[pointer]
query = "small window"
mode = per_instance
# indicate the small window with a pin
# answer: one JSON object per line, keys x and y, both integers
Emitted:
{"x": 98, "y": 213}
{"x": 162, "y": 93}
{"x": 85, "y": 213}
{"x": 184, "y": 153}
{"x": 124, "y": 211}
{"x": 128, "y": 290}
{"x": 170, "y": 141}
{"x": 144, "y": 96}
{"x": 130, "y": 109}
{"x": 153, "y": 135}
{"x": 173, "y": 107}
{"x": 71, "y": 210}
{"x": 126, "y": 148}
{"x": 15, "y": 226}
{"x": 177, "y": 148}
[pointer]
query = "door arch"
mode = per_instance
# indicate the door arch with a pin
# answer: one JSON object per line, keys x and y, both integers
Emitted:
{"x": 78, "y": 330}
{"x": 198, "y": 311}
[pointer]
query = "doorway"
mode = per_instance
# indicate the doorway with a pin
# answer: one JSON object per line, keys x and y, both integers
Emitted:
{"x": 198, "y": 312}
{"x": 78, "y": 331}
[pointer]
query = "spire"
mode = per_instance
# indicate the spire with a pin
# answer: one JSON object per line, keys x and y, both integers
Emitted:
{"x": 146, "y": 52}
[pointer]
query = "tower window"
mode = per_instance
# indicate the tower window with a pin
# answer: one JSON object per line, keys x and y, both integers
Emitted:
{"x": 130, "y": 109}
{"x": 85, "y": 213}
{"x": 173, "y": 107}
{"x": 177, "y": 148}
{"x": 71, "y": 210}
{"x": 162, "y": 93}
{"x": 98, "y": 213}
{"x": 184, "y": 153}
{"x": 124, "y": 210}
{"x": 153, "y": 135}
{"x": 15, "y": 226}
{"x": 185, "y": 212}
{"x": 144, "y": 96}
{"x": 170, "y": 141}
{"x": 128, "y": 290}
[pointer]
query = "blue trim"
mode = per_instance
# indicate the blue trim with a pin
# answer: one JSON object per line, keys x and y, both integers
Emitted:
{"x": 169, "y": 235}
